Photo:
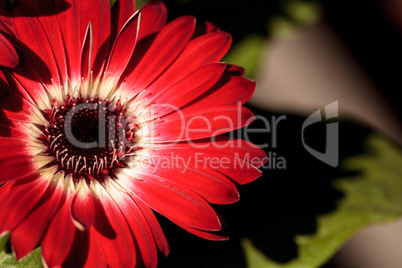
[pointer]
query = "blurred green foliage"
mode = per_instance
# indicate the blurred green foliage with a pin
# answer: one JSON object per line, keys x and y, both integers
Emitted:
{"x": 138, "y": 3}
{"x": 33, "y": 260}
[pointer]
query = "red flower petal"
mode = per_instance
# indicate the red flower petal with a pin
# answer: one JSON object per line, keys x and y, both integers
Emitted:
{"x": 4, "y": 87}
{"x": 116, "y": 238}
{"x": 35, "y": 42}
{"x": 170, "y": 41}
{"x": 230, "y": 90}
{"x": 122, "y": 10}
{"x": 184, "y": 90}
{"x": 213, "y": 236}
{"x": 153, "y": 19}
{"x": 21, "y": 200}
{"x": 10, "y": 168}
{"x": 13, "y": 147}
{"x": 87, "y": 53}
{"x": 235, "y": 158}
{"x": 4, "y": 190}
{"x": 95, "y": 257}
{"x": 153, "y": 223}
{"x": 27, "y": 235}
{"x": 16, "y": 108}
{"x": 236, "y": 70}
{"x": 154, "y": 15}
{"x": 9, "y": 131}
{"x": 79, "y": 256}
{"x": 123, "y": 47}
{"x": 244, "y": 149}
{"x": 216, "y": 146}
{"x": 203, "y": 50}
{"x": 139, "y": 227}
{"x": 205, "y": 28}
{"x": 8, "y": 55}
{"x": 24, "y": 82}
{"x": 73, "y": 22}
{"x": 55, "y": 40}
{"x": 59, "y": 238}
{"x": 216, "y": 189}
{"x": 175, "y": 202}
{"x": 83, "y": 207}
{"x": 192, "y": 123}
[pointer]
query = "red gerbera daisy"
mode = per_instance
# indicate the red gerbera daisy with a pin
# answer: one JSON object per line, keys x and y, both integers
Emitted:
{"x": 111, "y": 118}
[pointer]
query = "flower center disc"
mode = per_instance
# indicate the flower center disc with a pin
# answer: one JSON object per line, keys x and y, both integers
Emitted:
{"x": 89, "y": 138}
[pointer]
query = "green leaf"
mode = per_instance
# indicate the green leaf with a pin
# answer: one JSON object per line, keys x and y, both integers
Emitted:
{"x": 302, "y": 12}
{"x": 7, "y": 260}
{"x": 372, "y": 197}
{"x": 140, "y": 3}
{"x": 255, "y": 259}
{"x": 281, "y": 26}
{"x": 247, "y": 54}
{"x": 297, "y": 14}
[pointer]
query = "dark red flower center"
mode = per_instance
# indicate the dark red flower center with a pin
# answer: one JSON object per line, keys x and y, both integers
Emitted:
{"x": 89, "y": 138}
